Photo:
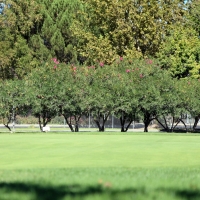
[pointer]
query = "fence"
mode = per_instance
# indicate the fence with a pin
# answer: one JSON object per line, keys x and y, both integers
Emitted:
{"x": 88, "y": 122}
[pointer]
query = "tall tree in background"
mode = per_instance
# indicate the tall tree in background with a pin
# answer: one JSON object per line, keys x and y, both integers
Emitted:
{"x": 180, "y": 53}
{"x": 125, "y": 28}
{"x": 18, "y": 20}
{"x": 54, "y": 38}
{"x": 31, "y": 32}
{"x": 194, "y": 14}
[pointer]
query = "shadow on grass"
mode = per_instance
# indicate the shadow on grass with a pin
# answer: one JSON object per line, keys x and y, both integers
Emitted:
{"x": 46, "y": 192}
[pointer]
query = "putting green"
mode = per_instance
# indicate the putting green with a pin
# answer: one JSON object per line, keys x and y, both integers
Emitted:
{"x": 28, "y": 151}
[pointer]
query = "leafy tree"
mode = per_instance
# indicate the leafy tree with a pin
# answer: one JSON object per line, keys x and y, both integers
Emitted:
{"x": 43, "y": 85}
{"x": 72, "y": 94}
{"x": 194, "y": 15}
{"x": 153, "y": 92}
{"x": 100, "y": 94}
{"x": 173, "y": 102}
{"x": 33, "y": 32}
{"x": 17, "y": 21}
{"x": 110, "y": 29}
{"x": 180, "y": 53}
{"x": 12, "y": 101}
{"x": 149, "y": 98}
{"x": 192, "y": 101}
{"x": 127, "y": 75}
{"x": 53, "y": 37}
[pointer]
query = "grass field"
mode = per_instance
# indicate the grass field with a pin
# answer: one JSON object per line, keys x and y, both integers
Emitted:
{"x": 94, "y": 166}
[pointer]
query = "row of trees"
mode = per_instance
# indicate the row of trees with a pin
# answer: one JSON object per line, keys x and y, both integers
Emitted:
{"x": 131, "y": 90}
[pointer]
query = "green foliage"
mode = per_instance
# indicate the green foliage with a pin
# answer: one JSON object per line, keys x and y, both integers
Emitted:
{"x": 12, "y": 100}
{"x": 42, "y": 85}
{"x": 190, "y": 87}
{"x": 129, "y": 28}
{"x": 72, "y": 94}
{"x": 180, "y": 53}
{"x": 18, "y": 21}
{"x": 194, "y": 15}
{"x": 127, "y": 76}
{"x": 99, "y": 100}
{"x": 54, "y": 35}
{"x": 15, "y": 56}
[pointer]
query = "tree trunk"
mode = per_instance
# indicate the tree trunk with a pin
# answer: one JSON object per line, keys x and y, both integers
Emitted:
{"x": 147, "y": 120}
{"x": 167, "y": 127}
{"x": 146, "y": 124}
{"x": 44, "y": 121}
{"x": 68, "y": 123}
{"x": 161, "y": 124}
{"x": 101, "y": 127}
{"x": 40, "y": 123}
{"x": 122, "y": 122}
{"x": 172, "y": 129}
{"x": 131, "y": 121}
{"x": 6, "y": 124}
{"x": 76, "y": 128}
{"x": 104, "y": 119}
{"x": 195, "y": 122}
{"x": 184, "y": 125}
{"x": 77, "y": 118}
{"x": 172, "y": 126}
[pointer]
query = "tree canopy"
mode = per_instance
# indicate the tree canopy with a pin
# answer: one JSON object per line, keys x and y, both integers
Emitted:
{"x": 100, "y": 57}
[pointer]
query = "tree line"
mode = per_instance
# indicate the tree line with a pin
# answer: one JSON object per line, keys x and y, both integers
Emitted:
{"x": 132, "y": 90}
{"x": 135, "y": 59}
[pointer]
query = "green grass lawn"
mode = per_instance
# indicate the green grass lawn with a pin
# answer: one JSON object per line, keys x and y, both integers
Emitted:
{"x": 94, "y": 166}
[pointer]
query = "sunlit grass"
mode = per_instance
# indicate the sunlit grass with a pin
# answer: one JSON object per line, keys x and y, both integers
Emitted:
{"x": 99, "y": 166}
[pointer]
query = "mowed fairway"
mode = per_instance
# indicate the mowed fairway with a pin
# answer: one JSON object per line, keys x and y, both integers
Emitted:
{"x": 99, "y": 166}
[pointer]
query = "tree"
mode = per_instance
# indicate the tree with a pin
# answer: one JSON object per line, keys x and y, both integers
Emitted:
{"x": 72, "y": 94}
{"x": 173, "y": 102}
{"x": 43, "y": 85}
{"x": 194, "y": 15}
{"x": 180, "y": 53}
{"x": 192, "y": 101}
{"x": 17, "y": 21}
{"x": 53, "y": 37}
{"x": 150, "y": 90}
{"x": 127, "y": 75}
{"x": 12, "y": 101}
{"x": 33, "y": 32}
{"x": 100, "y": 94}
{"x": 110, "y": 29}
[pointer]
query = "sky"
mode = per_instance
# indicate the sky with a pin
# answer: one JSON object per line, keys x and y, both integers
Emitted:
{"x": 1, "y": 7}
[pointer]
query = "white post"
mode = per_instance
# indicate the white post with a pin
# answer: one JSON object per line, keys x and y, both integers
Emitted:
{"x": 64, "y": 123}
{"x": 187, "y": 119}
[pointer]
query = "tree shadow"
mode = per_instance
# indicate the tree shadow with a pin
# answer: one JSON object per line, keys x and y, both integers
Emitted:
{"x": 47, "y": 192}
{"x": 50, "y": 192}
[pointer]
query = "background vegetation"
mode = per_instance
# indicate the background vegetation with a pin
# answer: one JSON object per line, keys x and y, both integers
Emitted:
{"x": 137, "y": 60}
